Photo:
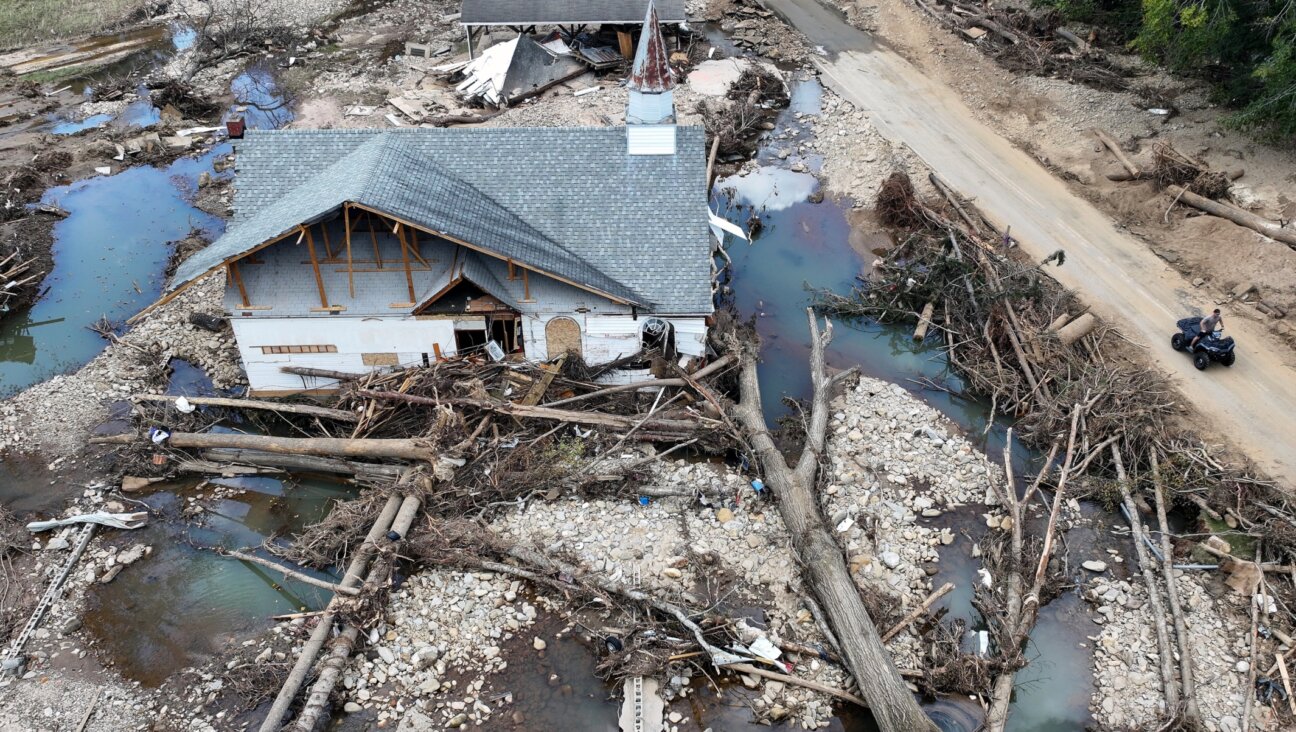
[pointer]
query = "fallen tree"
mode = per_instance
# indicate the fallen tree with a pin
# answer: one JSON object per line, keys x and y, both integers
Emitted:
{"x": 400, "y": 449}
{"x": 821, "y": 558}
{"x": 309, "y": 410}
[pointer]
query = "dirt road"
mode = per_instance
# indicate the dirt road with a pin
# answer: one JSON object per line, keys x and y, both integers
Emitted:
{"x": 1252, "y": 405}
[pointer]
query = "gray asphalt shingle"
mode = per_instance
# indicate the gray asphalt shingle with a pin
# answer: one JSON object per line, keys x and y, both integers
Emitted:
{"x": 566, "y": 200}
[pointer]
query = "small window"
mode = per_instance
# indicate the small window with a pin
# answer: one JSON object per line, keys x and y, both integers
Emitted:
{"x": 277, "y": 350}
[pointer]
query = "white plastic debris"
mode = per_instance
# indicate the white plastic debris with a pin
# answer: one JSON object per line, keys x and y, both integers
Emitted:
{"x": 765, "y": 649}
{"x": 183, "y": 406}
{"x": 115, "y": 520}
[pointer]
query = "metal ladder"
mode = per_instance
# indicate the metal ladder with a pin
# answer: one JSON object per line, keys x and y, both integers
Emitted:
{"x": 52, "y": 594}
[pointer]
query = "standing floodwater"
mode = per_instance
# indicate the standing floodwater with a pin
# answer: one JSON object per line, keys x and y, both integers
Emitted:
{"x": 109, "y": 257}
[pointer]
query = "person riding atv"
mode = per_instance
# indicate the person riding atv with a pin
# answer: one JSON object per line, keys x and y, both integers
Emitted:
{"x": 1200, "y": 337}
{"x": 1207, "y": 326}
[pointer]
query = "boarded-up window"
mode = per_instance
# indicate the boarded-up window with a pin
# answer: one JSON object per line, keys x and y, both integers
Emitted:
{"x": 563, "y": 336}
{"x": 379, "y": 359}
{"x": 269, "y": 350}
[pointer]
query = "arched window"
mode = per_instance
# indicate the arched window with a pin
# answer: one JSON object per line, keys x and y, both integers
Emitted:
{"x": 563, "y": 335}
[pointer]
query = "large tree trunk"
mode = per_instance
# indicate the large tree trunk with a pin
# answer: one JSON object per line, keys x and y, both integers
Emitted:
{"x": 331, "y": 668}
{"x": 824, "y": 564}
{"x": 352, "y": 578}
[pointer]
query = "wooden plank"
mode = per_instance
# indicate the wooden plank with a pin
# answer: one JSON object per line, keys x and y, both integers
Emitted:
{"x": 409, "y": 276}
{"x": 319, "y": 278}
{"x": 346, "y": 221}
{"x": 238, "y": 280}
{"x": 541, "y": 385}
{"x": 436, "y": 349}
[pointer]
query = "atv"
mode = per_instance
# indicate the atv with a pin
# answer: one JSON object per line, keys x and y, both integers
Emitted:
{"x": 1211, "y": 347}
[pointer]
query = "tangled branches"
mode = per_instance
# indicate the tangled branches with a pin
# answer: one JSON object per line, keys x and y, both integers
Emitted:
{"x": 1171, "y": 167}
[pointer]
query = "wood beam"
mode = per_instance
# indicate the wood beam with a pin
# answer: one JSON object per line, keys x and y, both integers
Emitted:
{"x": 526, "y": 286}
{"x": 232, "y": 271}
{"x": 319, "y": 279}
{"x": 373, "y": 236}
{"x": 346, "y": 222}
{"x": 409, "y": 276}
{"x": 328, "y": 245}
{"x": 416, "y": 250}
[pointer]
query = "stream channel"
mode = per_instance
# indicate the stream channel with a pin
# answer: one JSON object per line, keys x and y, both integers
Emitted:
{"x": 183, "y": 604}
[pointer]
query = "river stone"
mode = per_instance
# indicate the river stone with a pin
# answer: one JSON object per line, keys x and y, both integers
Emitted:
{"x": 890, "y": 559}
{"x": 1093, "y": 565}
{"x": 386, "y": 655}
{"x": 351, "y": 707}
{"x": 724, "y": 515}
{"x": 539, "y": 644}
{"x": 415, "y": 721}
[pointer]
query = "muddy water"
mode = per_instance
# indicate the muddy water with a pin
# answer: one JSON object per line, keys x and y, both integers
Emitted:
{"x": 184, "y": 603}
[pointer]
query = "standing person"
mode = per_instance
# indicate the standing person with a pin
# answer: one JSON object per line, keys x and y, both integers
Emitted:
{"x": 1206, "y": 327}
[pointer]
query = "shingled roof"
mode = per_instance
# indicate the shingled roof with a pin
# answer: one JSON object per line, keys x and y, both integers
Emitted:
{"x": 568, "y": 201}
{"x": 564, "y": 12}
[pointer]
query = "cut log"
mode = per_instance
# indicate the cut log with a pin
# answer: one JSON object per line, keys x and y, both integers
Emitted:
{"x": 1077, "y": 329}
{"x": 287, "y": 692}
{"x": 1120, "y": 154}
{"x": 924, "y": 321}
{"x": 1057, "y": 323}
{"x": 656, "y": 425}
{"x": 1081, "y": 45}
{"x": 226, "y": 458}
{"x": 310, "y": 410}
{"x": 326, "y": 446}
{"x": 823, "y": 564}
{"x": 321, "y": 373}
{"x": 1251, "y": 221}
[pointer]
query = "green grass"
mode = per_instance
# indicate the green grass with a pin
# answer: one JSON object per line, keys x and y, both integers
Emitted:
{"x": 26, "y": 22}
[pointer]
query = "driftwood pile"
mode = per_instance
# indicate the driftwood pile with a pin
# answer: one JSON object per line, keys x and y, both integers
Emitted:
{"x": 1030, "y": 42}
{"x": 1193, "y": 183}
{"x": 1018, "y": 337}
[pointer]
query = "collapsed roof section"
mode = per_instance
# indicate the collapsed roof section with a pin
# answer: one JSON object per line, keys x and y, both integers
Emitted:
{"x": 516, "y": 69}
{"x": 564, "y": 12}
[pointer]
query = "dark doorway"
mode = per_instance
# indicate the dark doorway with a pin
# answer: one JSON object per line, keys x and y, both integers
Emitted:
{"x": 469, "y": 340}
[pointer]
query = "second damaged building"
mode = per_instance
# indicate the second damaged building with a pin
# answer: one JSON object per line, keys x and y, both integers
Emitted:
{"x": 359, "y": 249}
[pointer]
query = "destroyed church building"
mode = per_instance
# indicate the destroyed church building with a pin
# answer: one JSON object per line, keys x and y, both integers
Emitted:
{"x": 352, "y": 250}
